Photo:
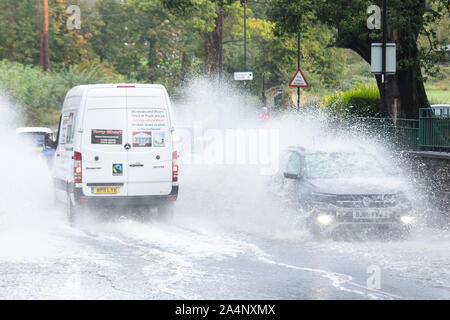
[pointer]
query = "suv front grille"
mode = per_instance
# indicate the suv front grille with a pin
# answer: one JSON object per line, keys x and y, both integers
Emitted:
{"x": 358, "y": 201}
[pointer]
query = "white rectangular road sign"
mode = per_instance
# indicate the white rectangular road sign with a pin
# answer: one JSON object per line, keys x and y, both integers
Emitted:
{"x": 243, "y": 76}
{"x": 391, "y": 61}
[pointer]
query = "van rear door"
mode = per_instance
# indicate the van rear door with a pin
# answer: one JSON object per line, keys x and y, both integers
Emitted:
{"x": 104, "y": 136}
{"x": 148, "y": 131}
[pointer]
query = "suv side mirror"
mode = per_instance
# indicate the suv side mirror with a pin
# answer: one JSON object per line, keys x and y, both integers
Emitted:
{"x": 294, "y": 176}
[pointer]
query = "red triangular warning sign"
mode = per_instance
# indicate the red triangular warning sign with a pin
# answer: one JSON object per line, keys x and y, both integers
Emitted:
{"x": 298, "y": 80}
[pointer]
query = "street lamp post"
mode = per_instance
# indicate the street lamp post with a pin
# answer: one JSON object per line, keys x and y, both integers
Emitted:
{"x": 245, "y": 49}
{"x": 383, "y": 64}
{"x": 298, "y": 67}
{"x": 263, "y": 90}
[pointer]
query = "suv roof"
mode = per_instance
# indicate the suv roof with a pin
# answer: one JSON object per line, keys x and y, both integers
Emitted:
{"x": 305, "y": 150}
{"x": 296, "y": 148}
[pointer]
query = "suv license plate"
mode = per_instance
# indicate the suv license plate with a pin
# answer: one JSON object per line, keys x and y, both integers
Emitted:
{"x": 106, "y": 190}
{"x": 370, "y": 215}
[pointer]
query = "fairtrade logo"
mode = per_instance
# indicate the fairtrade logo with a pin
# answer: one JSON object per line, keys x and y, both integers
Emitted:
{"x": 117, "y": 169}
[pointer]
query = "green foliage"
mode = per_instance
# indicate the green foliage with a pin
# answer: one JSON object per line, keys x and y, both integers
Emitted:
{"x": 19, "y": 34}
{"x": 39, "y": 96}
{"x": 275, "y": 56}
{"x": 361, "y": 101}
{"x": 162, "y": 41}
{"x": 409, "y": 19}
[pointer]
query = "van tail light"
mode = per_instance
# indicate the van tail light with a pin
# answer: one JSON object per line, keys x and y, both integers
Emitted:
{"x": 77, "y": 170}
{"x": 175, "y": 166}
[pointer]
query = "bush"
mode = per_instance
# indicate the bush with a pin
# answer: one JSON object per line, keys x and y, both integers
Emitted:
{"x": 39, "y": 96}
{"x": 361, "y": 101}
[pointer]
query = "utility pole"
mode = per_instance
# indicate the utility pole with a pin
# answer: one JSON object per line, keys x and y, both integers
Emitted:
{"x": 245, "y": 36}
{"x": 41, "y": 47}
{"x": 298, "y": 67}
{"x": 220, "y": 105}
{"x": 46, "y": 38}
{"x": 263, "y": 90}
{"x": 383, "y": 65}
{"x": 220, "y": 26}
{"x": 244, "y": 2}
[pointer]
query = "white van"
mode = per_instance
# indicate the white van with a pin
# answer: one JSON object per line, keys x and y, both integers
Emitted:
{"x": 114, "y": 148}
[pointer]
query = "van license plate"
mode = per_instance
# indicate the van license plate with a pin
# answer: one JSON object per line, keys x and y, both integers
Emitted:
{"x": 106, "y": 190}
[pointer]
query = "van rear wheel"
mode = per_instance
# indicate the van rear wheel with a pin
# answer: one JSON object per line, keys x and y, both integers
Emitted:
{"x": 166, "y": 212}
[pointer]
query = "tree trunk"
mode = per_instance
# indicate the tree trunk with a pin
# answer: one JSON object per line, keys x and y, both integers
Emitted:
{"x": 41, "y": 43}
{"x": 213, "y": 46}
{"x": 405, "y": 92}
{"x": 411, "y": 92}
{"x": 220, "y": 26}
{"x": 408, "y": 80}
{"x": 46, "y": 38}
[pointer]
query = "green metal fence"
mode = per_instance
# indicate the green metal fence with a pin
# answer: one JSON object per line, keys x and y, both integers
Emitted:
{"x": 402, "y": 134}
{"x": 430, "y": 133}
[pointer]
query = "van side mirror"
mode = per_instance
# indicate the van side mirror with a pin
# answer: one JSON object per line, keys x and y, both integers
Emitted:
{"x": 49, "y": 143}
{"x": 295, "y": 176}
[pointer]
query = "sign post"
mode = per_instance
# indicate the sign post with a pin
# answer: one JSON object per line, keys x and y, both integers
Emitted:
{"x": 384, "y": 111}
{"x": 383, "y": 62}
{"x": 298, "y": 68}
{"x": 244, "y": 76}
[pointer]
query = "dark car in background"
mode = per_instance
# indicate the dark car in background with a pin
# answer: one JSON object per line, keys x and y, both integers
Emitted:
{"x": 343, "y": 191}
{"x": 441, "y": 110}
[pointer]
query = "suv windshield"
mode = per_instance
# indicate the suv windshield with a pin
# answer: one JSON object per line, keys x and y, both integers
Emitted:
{"x": 341, "y": 165}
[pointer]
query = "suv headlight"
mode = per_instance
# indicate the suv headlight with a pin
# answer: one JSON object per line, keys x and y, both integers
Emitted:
{"x": 325, "y": 219}
{"x": 407, "y": 219}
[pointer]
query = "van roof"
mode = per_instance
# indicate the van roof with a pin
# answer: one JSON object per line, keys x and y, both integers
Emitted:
{"x": 79, "y": 90}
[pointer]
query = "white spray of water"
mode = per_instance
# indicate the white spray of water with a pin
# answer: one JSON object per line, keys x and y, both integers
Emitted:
{"x": 214, "y": 199}
{"x": 236, "y": 193}
{"x": 235, "y": 196}
{"x": 28, "y": 218}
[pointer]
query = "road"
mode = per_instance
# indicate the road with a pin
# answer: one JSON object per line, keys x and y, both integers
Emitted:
{"x": 228, "y": 240}
{"x": 224, "y": 243}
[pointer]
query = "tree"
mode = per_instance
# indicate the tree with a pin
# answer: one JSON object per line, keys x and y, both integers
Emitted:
{"x": 407, "y": 19}
{"x": 206, "y": 17}
{"x": 275, "y": 56}
{"x": 19, "y": 32}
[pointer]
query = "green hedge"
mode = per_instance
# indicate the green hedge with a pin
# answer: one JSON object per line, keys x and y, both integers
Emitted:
{"x": 38, "y": 96}
{"x": 361, "y": 101}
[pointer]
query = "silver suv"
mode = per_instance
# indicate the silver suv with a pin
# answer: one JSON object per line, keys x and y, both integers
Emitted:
{"x": 343, "y": 191}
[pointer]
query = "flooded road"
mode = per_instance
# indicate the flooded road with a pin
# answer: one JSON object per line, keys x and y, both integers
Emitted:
{"x": 230, "y": 238}
{"x": 238, "y": 252}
